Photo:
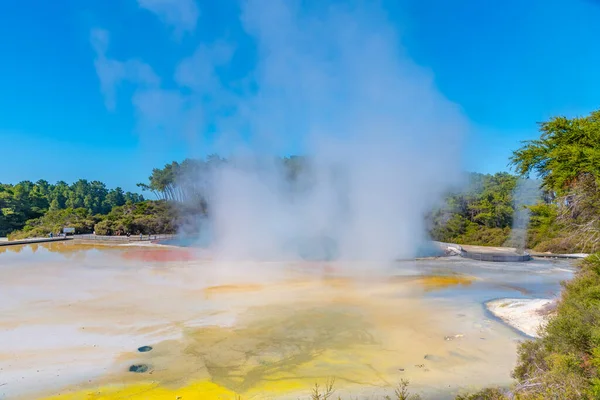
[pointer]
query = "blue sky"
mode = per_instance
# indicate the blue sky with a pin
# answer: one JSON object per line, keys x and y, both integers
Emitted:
{"x": 506, "y": 64}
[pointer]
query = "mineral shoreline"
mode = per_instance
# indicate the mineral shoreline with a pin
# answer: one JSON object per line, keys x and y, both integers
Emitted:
{"x": 525, "y": 315}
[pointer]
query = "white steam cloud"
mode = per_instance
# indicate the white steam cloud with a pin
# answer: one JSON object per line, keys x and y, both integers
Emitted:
{"x": 527, "y": 192}
{"x": 334, "y": 81}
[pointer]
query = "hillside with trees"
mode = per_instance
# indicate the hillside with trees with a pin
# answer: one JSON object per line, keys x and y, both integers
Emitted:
{"x": 147, "y": 217}
{"x": 484, "y": 214}
{"x": 480, "y": 214}
{"x": 567, "y": 159}
{"x": 564, "y": 363}
{"x": 564, "y": 161}
{"x": 566, "y": 217}
{"x": 28, "y": 201}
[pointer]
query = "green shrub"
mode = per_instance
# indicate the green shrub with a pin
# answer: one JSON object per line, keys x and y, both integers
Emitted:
{"x": 565, "y": 362}
{"x": 485, "y": 394}
{"x": 147, "y": 217}
{"x": 483, "y": 236}
{"x": 54, "y": 221}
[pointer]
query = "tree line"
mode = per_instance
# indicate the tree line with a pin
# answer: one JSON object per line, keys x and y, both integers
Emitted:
{"x": 27, "y": 200}
{"x": 565, "y": 160}
{"x": 190, "y": 181}
{"x": 566, "y": 157}
{"x": 481, "y": 213}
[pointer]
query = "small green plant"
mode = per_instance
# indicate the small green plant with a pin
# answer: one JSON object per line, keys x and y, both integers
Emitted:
{"x": 485, "y": 394}
{"x": 401, "y": 392}
{"x": 324, "y": 393}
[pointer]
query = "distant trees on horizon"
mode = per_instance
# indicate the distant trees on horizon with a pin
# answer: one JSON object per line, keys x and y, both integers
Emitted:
{"x": 566, "y": 158}
{"x": 29, "y": 200}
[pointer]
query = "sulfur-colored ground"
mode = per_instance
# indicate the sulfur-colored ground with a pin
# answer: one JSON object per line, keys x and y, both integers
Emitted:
{"x": 72, "y": 318}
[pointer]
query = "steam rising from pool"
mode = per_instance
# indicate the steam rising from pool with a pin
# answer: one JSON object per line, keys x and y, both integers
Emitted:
{"x": 382, "y": 144}
{"x": 331, "y": 82}
{"x": 526, "y": 193}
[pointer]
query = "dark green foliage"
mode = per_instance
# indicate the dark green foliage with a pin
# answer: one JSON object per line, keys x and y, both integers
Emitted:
{"x": 565, "y": 362}
{"x": 27, "y": 200}
{"x": 147, "y": 217}
{"x": 481, "y": 214}
{"x": 542, "y": 224}
{"x": 567, "y": 159}
{"x": 54, "y": 221}
{"x": 478, "y": 235}
{"x": 566, "y": 149}
{"x": 189, "y": 183}
{"x": 186, "y": 181}
{"x": 21, "y": 202}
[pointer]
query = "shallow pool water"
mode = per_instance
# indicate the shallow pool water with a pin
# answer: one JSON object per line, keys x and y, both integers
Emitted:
{"x": 73, "y": 317}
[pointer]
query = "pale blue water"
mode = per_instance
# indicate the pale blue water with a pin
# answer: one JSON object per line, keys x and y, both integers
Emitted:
{"x": 539, "y": 278}
{"x": 310, "y": 249}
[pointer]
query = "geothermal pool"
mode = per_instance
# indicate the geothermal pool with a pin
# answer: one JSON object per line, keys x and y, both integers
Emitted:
{"x": 72, "y": 318}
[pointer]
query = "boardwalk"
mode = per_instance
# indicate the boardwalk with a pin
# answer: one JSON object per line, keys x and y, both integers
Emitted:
{"x": 34, "y": 240}
{"x": 122, "y": 239}
{"x": 91, "y": 238}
